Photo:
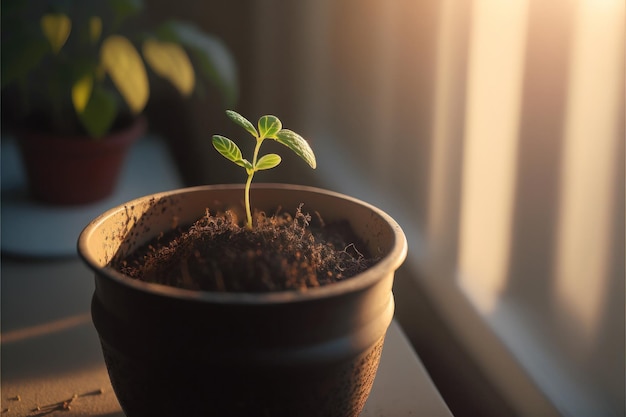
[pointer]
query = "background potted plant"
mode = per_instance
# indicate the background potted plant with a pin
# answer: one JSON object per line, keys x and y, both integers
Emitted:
{"x": 306, "y": 352}
{"x": 75, "y": 86}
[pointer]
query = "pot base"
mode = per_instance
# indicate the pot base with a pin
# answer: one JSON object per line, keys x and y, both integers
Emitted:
{"x": 334, "y": 389}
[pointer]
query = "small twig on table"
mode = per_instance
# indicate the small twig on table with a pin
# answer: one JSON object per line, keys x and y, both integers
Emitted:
{"x": 65, "y": 405}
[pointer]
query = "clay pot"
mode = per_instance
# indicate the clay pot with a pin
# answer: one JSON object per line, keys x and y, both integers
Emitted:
{"x": 171, "y": 351}
{"x": 75, "y": 170}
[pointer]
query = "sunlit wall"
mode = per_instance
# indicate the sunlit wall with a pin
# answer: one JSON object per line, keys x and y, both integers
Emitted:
{"x": 494, "y": 132}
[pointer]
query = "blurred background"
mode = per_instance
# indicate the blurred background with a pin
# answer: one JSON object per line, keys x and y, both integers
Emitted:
{"x": 492, "y": 131}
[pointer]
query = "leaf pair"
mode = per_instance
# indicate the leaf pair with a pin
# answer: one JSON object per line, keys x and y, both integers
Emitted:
{"x": 269, "y": 127}
{"x": 231, "y": 151}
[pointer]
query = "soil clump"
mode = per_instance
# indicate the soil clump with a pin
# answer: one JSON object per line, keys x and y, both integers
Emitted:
{"x": 282, "y": 252}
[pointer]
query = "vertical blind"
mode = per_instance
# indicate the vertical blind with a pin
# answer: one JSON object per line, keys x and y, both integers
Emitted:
{"x": 494, "y": 132}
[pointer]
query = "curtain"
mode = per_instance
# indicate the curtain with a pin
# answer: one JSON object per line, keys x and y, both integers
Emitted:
{"x": 494, "y": 132}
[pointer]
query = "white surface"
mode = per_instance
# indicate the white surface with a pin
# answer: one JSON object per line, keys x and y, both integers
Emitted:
{"x": 51, "y": 352}
{"x": 402, "y": 387}
{"x": 30, "y": 228}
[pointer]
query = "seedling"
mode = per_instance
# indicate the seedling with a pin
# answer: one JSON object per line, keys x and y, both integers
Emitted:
{"x": 269, "y": 127}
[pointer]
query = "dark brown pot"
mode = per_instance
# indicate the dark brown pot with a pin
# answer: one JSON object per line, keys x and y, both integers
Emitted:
{"x": 176, "y": 352}
{"x": 75, "y": 170}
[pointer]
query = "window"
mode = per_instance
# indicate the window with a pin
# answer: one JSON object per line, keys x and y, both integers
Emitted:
{"x": 494, "y": 133}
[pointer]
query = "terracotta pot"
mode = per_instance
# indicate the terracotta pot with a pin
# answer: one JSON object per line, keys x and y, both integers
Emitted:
{"x": 75, "y": 170}
{"x": 171, "y": 351}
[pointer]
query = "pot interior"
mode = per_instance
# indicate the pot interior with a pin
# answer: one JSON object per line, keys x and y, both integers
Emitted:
{"x": 123, "y": 229}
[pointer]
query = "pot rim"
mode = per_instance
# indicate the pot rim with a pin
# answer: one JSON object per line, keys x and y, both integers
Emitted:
{"x": 386, "y": 265}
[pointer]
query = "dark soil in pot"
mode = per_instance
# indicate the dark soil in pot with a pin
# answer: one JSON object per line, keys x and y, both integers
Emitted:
{"x": 282, "y": 252}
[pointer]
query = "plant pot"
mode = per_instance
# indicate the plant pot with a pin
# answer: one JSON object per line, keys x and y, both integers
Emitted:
{"x": 171, "y": 351}
{"x": 75, "y": 170}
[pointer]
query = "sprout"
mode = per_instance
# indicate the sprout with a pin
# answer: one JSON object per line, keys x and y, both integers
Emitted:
{"x": 269, "y": 127}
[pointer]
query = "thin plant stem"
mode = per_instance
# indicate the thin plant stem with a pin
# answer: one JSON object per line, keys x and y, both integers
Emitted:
{"x": 247, "y": 200}
{"x": 249, "y": 181}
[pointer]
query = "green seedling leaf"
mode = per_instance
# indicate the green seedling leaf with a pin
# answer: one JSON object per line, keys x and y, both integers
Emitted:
{"x": 242, "y": 121}
{"x": 170, "y": 61}
{"x": 56, "y": 27}
{"x": 230, "y": 151}
{"x": 298, "y": 144}
{"x": 269, "y": 126}
{"x": 268, "y": 161}
{"x": 124, "y": 65}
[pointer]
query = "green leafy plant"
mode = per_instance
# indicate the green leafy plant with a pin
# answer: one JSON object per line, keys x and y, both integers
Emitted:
{"x": 269, "y": 127}
{"x": 79, "y": 65}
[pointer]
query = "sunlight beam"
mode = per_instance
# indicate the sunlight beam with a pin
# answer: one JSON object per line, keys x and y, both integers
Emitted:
{"x": 44, "y": 329}
{"x": 494, "y": 96}
{"x": 596, "y": 83}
